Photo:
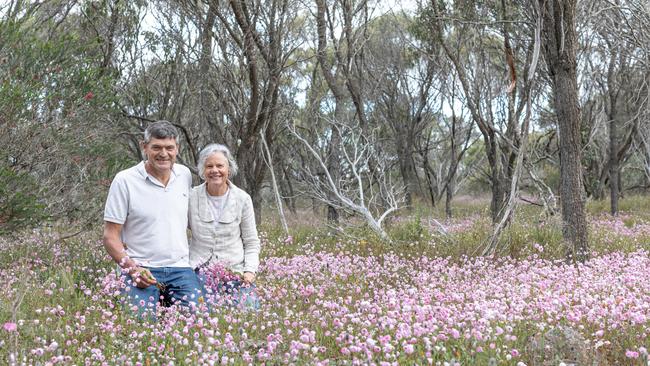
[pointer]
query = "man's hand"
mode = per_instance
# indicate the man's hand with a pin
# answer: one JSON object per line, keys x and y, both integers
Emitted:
{"x": 142, "y": 277}
{"x": 249, "y": 277}
{"x": 116, "y": 249}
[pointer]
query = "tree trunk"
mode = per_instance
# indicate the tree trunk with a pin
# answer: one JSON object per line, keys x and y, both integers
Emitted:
{"x": 248, "y": 181}
{"x": 206, "y": 117}
{"x": 430, "y": 175}
{"x": 499, "y": 183}
{"x": 287, "y": 191}
{"x": 612, "y": 114}
{"x": 334, "y": 166}
{"x": 452, "y": 167}
{"x": 560, "y": 43}
{"x": 498, "y": 190}
{"x": 450, "y": 193}
{"x": 613, "y": 167}
{"x": 407, "y": 170}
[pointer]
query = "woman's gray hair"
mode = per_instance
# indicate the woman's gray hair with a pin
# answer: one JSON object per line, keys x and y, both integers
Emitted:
{"x": 160, "y": 130}
{"x": 213, "y": 149}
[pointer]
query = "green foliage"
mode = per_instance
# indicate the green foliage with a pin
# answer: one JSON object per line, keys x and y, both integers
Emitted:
{"x": 55, "y": 99}
{"x": 19, "y": 206}
{"x": 411, "y": 229}
{"x": 479, "y": 182}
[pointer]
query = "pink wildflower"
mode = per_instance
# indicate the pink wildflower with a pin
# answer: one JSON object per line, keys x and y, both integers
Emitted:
{"x": 10, "y": 327}
{"x": 514, "y": 353}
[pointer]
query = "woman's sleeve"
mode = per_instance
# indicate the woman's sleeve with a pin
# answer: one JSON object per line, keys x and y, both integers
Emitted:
{"x": 249, "y": 237}
{"x": 190, "y": 205}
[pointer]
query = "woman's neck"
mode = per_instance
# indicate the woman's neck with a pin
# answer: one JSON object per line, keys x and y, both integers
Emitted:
{"x": 219, "y": 190}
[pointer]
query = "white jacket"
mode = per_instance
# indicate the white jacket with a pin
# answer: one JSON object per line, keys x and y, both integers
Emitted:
{"x": 233, "y": 240}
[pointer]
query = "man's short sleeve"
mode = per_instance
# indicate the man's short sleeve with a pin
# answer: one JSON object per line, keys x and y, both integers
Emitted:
{"x": 117, "y": 202}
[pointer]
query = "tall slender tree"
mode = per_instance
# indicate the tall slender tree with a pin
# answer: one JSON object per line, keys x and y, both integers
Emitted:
{"x": 560, "y": 42}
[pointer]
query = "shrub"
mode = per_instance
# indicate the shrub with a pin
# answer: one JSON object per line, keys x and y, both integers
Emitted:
{"x": 19, "y": 204}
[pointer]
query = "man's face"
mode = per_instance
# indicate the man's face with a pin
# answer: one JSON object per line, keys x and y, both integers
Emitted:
{"x": 161, "y": 154}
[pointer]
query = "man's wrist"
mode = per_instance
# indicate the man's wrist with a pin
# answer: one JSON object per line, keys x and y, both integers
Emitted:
{"x": 127, "y": 263}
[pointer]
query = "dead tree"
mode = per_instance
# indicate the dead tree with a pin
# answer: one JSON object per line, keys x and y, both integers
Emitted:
{"x": 353, "y": 190}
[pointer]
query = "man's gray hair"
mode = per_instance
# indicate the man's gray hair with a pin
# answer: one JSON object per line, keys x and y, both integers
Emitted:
{"x": 213, "y": 149}
{"x": 160, "y": 130}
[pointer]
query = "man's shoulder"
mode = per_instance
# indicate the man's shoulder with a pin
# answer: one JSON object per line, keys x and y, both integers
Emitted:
{"x": 182, "y": 171}
{"x": 180, "y": 168}
{"x": 128, "y": 174}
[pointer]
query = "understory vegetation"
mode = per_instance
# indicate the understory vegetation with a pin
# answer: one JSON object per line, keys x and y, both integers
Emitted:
{"x": 333, "y": 298}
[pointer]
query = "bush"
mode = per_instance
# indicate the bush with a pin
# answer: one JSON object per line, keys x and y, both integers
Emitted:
{"x": 19, "y": 205}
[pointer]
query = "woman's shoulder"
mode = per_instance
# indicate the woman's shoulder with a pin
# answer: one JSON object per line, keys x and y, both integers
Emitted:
{"x": 238, "y": 193}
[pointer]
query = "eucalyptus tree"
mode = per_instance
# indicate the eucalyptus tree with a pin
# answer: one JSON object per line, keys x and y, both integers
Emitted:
{"x": 406, "y": 93}
{"x": 491, "y": 58}
{"x": 639, "y": 22}
{"x": 560, "y": 44}
{"x": 614, "y": 80}
{"x": 218, "y": 71}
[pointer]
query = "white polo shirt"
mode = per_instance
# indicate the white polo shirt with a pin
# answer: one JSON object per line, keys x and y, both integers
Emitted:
{"x": 154, "y": 217}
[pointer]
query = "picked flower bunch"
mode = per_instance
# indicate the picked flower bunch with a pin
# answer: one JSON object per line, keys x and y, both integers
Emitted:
{"x": 217, "y": 274}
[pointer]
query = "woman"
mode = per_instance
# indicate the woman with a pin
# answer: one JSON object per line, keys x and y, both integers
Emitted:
{"x": 222, "y": 221}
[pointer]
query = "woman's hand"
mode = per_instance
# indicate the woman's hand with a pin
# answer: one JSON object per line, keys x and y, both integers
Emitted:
{"x": 249, "y": 277}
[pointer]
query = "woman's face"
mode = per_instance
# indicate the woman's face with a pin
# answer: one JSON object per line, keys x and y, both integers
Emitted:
{"x": 216, "y": 170}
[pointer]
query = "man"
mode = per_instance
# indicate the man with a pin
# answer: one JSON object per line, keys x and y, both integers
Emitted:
{"x": 146, "y": 213}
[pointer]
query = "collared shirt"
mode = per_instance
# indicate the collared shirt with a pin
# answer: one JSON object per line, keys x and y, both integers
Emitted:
{"x": 154, "y": 216}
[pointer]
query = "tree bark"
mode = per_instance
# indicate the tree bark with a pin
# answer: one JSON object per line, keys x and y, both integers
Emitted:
{"x": 407, "y": 169}
{"x": 560, "y": 42}
{"x": 334, "y": 166}
{"x": 613, "y": 167}
{"x": 452, "y": 167}
{"x": 287, "y": 190}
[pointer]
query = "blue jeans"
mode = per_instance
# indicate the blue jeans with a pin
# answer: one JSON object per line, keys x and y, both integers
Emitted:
{"x": 234, "y": 293}
{"x": 179, "y": 285}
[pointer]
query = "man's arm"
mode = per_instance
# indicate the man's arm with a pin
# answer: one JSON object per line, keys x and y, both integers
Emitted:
{"x": 116, "y": 249}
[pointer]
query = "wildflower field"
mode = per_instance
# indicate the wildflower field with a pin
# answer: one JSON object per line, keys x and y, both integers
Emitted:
{"x": 329, "y": 299}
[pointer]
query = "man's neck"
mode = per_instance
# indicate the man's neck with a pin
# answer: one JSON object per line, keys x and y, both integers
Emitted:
{"x": 162, "y": 176}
